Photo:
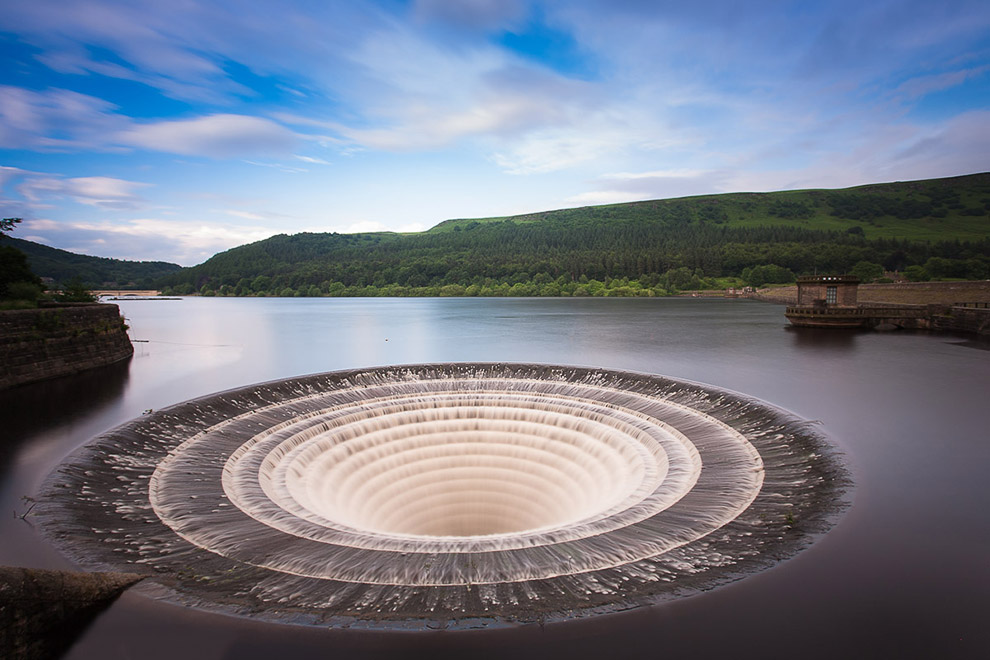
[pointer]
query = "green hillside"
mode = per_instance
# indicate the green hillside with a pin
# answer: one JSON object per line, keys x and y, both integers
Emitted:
{"x": 930, "y": 210}
{"x": 93, "y": 272}
{"x": 926, "y": 229}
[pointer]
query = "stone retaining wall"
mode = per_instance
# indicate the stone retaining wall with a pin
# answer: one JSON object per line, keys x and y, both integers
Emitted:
{"x": 902, "y": 293}
{"x": 42, "y": 611}
{"x": 923, "y": 293}
{"x": 36, "y": 344}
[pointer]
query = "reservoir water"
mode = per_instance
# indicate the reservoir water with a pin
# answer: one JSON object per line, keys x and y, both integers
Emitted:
{"x": 905, "y": 573}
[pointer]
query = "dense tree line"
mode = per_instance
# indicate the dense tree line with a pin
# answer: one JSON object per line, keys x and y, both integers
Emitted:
{"x": 931, "y": 229}
{"x": 557, "y": 255}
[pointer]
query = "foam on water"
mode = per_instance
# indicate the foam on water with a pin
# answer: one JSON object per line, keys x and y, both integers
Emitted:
{"x": 437, "y": 492}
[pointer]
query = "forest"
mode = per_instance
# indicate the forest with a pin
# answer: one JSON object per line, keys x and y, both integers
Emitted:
{"x": 937, "y": 229}
{"x": 918, "y": 230}
{"x": 62, "y": 267}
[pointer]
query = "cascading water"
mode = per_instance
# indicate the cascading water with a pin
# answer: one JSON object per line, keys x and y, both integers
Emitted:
{"x": 411, "y": 495}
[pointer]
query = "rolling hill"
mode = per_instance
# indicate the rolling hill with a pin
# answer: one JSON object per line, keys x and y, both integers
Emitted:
{"x": 94, "y": 272}
{"x": 929, "y": 210}
{"x": 936, "y": 228}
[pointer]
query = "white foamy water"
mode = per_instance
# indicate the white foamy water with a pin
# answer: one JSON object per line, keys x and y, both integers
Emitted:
{"x": 472, "y": 490}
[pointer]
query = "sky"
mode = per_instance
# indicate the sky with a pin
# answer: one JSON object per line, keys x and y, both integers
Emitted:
{"x": 150, "y": 130}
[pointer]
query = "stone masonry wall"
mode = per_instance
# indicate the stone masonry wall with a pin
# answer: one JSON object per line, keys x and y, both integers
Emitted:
{"x": 36, "y": 344}
{"x": 922, "y": 293}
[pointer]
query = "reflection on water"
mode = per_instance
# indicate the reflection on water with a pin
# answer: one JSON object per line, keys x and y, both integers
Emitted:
{"x": 904, "y": 574}
{"x": 31, "y": 408}
{"x": 824, "y": 338}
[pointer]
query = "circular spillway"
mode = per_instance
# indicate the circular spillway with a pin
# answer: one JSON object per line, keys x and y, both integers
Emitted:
{"x": 410, "y": 495}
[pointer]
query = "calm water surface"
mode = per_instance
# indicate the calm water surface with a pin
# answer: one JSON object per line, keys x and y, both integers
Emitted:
{"x": 906, "y": 572}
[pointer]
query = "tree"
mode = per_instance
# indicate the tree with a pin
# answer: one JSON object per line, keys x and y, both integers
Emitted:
{"x": 14, "y": 268}
{"x": 866, "y": 271}
{"x": 7, "y": 224}
{"x": 76, "y": 292}
{"x": 758, "y": 276}
{"x": 261, "y": 283}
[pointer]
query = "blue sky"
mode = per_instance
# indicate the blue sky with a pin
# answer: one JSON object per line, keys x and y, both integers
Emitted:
{"x": 143, "y": 129}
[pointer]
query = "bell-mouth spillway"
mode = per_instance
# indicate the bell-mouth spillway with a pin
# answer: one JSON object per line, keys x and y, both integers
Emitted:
{"x": 410, "y": 495}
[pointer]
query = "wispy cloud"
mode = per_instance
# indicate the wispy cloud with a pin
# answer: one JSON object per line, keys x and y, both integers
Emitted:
{"x": 472, "y": 14}
{"x": 147, "y": 239}
{"x": 278, "y": 166}
{"x": 101, "y": 191}
{"x": 247, "y": 215}
{"x": 55, "y": 119}
{"x": 373, "y": 225}
{"x": 63, "y": 120}
{"x": 219, "y": 136}
{"x": 923, "y": 85}
{"x": 419, "y": 95}
{"x": 10, "y": 174}
{"x": 311, "y": 159}
{"x": 632, "y": 186}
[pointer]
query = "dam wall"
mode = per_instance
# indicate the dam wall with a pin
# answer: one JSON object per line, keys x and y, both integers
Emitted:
{"x": 973, "y": 318}
{"x": 926, "y": 293}
{"x": 899, "y": 293}
{"x": 37, "y": 344}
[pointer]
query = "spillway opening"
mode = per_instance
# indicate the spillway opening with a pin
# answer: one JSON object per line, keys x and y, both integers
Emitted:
{"x": 429, "y": 493}
{"x": 460, "y": 465}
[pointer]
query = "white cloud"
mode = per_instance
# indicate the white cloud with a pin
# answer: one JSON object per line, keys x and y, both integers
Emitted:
{"x": 367, "y": 226}
{"x": 417, "y": 94}
{"x": 278, "y": 166}
{"x": 58, "y": 119}
{"x": 186, "y": 243}
{"x": 54, "y": 119}
{"x": 41, "y": 224}
{"x": 101, "y": 191}
{"x": 314, "y": 161}
{"x": 363, "y": 226}
{"x": 247, "y": 215}
{"x": 633, "y": 186}
{"x": 217, "y": 136}
{"x": 9, "y": 174}
{"x": 559, "y": 149}
{"x": 428, "y": 127}
{"x": 655, "y": 174}
{"x": 169, "y": 51}
{"x": 597, "y": 197}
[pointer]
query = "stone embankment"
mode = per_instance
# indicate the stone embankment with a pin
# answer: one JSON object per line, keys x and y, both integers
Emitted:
{"x": 901, "y": 293}
{"x": 43, "y": 611}
{"x": 926, "y": 293}
{"x": 958, "y": 307}
{"x": 782, "y": 295}
{"x": 36, "y": 344}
